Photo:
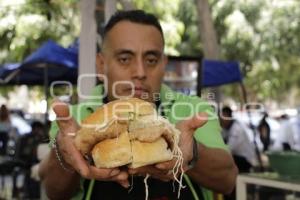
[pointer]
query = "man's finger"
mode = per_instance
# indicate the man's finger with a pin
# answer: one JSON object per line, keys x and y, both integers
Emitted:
{"x": 63, "y": 117}
{"x": 147, "y": 170}
{"x": 78, "y": 162}
{"x": 124, "y": 183}
{"x": 103, "y": 173}
{"x": 61, "y": 109}
{"x": 166, "y": 165}
{"x": 193, "y": 123}
{"x": 122, "y": 176}
{"x": 140, "y": 170}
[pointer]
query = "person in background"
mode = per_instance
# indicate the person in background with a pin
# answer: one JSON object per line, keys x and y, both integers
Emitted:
{"x": 5, "y": 128}
{"x": 264, "y": 132}
{"x": 28, "y": 143}
{"x": 235, "y": 136}
{"x": 27, "y": 152}
{"x": 290, "y": 133}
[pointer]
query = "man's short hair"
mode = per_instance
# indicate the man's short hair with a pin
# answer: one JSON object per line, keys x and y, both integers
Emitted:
{"x": 136, "y": 16}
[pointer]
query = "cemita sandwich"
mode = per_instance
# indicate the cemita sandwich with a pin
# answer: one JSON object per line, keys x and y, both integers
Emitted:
{"x": 128, "y": 132}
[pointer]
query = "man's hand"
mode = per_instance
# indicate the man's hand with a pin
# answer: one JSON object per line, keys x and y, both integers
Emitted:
{"x": 188, "y": 128}
{"x": 72, "y": 157}
{"x": 163, "y": 174}
{"x": 162, "y": 170}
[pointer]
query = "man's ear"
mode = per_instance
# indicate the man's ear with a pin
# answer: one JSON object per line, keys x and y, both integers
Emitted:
{"x": 99, "y": 64}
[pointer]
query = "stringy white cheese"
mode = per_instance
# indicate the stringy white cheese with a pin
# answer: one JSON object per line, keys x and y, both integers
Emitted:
{"x": 146, "y": 186}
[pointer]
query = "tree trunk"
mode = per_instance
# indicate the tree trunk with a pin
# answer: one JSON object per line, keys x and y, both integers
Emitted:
{"x": 87, "y": 47}
{"x": 110, "y": 9}
{"x": 207, "y": 31}
{"x": 208, "y": 35}
{"x": 127, "y": 4}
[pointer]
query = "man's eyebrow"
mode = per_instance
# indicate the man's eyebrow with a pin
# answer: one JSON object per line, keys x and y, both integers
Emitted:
{"x": 153, "y": 52}
{"x": 123, "y": 51}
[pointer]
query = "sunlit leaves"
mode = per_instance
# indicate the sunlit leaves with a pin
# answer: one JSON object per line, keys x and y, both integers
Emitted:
{"x": 172, "y": 26}
{"x": 26, "y": 24}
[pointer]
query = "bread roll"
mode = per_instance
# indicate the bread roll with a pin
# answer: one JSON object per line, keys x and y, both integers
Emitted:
{"x": 113, "y": 152}
{"x": 127, "y": 132}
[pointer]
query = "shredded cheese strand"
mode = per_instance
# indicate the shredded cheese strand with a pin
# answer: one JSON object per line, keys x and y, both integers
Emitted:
{"x": 146, "y": 186}
{"x": 131, "y": 186}
{"x": 178, "y": 167}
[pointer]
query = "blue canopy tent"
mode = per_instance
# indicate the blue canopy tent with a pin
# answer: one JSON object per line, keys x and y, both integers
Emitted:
{"x": 216, "y": 73}
{"x": 8, "y": 71}
{"x": 48, "y": 63}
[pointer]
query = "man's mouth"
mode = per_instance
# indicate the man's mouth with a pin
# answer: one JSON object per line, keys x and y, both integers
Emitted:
{"x": 137, "y": 91}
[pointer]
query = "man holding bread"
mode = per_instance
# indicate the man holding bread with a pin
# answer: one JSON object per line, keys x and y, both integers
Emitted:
{"x": 138, "y": 132}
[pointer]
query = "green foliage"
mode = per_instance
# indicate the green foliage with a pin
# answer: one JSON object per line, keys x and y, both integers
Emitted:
{"x": 190, "y": 44}
{"x": 264, "y": 37}
{"x": 166, "y": 11}
{"x": 25, "y": 25}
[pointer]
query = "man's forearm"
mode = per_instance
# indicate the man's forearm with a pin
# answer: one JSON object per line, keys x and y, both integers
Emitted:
{"x": 215, "y": 170}
{"x": 59, "y": 184}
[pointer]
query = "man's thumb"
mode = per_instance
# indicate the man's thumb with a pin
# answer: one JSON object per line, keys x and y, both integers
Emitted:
{"x": 61, "y": 109}
{"x": 63, "y": 117}
{"x": 194, "y": 122}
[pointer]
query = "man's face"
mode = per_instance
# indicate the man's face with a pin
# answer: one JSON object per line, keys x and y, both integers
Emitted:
{"x": 225, "y": 121}
{"x": 133, "y": 53}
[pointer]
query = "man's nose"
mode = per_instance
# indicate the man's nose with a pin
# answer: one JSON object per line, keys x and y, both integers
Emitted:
{"x": 139, "y": 70}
